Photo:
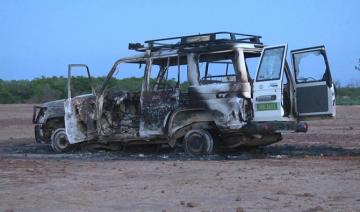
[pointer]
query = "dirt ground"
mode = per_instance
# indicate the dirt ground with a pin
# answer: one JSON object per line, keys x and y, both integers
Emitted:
{"x": 317, "y": 171}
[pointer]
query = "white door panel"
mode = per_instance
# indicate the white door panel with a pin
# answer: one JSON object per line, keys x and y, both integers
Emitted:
{"x": 267, "y": 94}
{"x": 314, "y": 91}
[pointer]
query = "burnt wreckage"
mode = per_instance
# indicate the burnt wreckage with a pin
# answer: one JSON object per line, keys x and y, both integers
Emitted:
{"x": 197, "y": 91}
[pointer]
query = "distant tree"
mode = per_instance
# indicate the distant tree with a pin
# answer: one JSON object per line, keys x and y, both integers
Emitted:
{"x": 358, "y": 66}
{"x": 337, "y": 83}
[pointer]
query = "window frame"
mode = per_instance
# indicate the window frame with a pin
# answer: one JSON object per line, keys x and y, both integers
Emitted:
{"x": 281, "y": 66}
{"x": 207, "y": 63}
{"x": 296, "y": 68}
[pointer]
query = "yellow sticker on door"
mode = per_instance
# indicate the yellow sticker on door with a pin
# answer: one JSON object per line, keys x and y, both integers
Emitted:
{"x": 267, "y": 106}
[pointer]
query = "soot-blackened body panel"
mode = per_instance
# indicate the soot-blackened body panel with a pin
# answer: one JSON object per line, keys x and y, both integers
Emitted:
{"x": 80, "y": 118}
{"x": 156, "y": 106}
{"x": 225, "y": 101}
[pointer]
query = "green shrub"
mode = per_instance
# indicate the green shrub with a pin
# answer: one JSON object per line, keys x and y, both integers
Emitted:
{"x": 348, "y": 96}
{"x": 51, "y": 88}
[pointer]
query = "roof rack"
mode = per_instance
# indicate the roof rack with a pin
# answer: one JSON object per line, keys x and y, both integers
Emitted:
{"x": 198, "y": 40}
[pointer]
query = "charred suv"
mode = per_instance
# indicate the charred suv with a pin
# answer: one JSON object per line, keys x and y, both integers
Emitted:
{"x": 199, "y": 92}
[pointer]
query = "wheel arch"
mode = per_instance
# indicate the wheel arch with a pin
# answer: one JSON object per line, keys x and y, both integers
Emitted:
{"x": 48, "y": 127}
{"x": 181, "y": 121}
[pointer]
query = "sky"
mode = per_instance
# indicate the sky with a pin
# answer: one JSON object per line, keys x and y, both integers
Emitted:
{"x": 39, "y": 38}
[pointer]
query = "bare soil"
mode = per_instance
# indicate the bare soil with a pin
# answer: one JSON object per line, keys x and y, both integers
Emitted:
{"x": 316, "y": 171}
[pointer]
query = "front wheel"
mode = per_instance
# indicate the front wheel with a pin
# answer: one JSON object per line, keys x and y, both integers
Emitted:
{"x": 198, "y": 142}
{"x": 60, "y": 142}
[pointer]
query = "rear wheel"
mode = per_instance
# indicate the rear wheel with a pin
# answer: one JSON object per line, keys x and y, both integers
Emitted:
{"x": 60, "y": 142}
{"x": 198, "y": 142}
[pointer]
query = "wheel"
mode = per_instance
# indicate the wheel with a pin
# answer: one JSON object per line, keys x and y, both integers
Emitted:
{"x": 59, "y": 141}
{"x": 198, "y": 142}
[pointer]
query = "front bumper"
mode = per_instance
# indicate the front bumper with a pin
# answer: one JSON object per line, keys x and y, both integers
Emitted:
{"x": 37, "y": 110}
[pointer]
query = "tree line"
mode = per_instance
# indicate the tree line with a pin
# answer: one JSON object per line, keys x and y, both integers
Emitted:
{"x": 45, "y": 89}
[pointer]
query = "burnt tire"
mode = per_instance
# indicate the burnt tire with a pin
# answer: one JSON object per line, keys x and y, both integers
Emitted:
{"x": 60, "y": 142}
{"x": 198, "y": 142}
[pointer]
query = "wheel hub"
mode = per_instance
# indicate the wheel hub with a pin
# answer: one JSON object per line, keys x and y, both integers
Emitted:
{"x": 196, "y": 142}
{"x": 62, "y": 141}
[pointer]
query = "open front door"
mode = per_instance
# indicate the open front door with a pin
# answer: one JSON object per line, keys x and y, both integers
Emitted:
{"x": 267, "y": 93}
{"x": 77, "y": 109}
{"x": 314, "y": 90}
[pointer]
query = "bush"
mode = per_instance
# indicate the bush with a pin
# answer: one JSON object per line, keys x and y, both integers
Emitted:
{"x": 52, "y": 88}
{"x": 348, "y": 96}
{"x": 45, "y": 89}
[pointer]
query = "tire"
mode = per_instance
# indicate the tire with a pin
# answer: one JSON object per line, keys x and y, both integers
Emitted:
{"x": 198, "y": 142}
{"x": 59, "y": 141}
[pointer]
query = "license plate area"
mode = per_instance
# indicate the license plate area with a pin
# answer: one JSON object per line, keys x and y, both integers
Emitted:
{"x": 266, "y": 106}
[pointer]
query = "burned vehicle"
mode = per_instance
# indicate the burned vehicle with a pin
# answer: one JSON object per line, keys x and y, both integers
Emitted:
{"x": 197, "y": 92}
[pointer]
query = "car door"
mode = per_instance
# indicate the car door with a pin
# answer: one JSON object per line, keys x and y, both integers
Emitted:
{"x": 160, "y": 98}
{"x": 267, "y": 87}
{"x": 79, "y": 110}
{"x": 314, "y": 90}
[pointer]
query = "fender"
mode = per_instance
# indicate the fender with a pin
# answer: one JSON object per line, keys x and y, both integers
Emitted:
{"x": 52, "y": 114}
{"x": 185, "y": 117}
{"x": 53, "y": 109}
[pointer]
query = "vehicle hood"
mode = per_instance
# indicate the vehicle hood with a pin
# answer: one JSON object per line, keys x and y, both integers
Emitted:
{"x": 83, "y": 98}
{"x": 56, "y": 103}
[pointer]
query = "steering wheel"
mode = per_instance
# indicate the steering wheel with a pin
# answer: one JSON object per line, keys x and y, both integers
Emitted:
{"x": 306, "y": 79}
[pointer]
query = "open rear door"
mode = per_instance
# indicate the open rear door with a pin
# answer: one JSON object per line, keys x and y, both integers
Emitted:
{"x": 314, "y": 90}
{"x": 267, "y": 93}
